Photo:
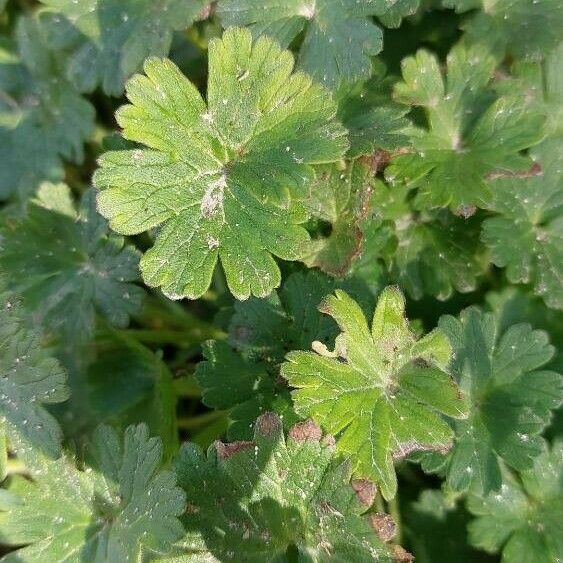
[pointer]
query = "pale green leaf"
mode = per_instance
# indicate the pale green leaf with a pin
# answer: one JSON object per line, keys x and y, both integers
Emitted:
{"x": 219, "y": 181}
{"x": 381, "y": 390}
{"x": 121, "y": 507}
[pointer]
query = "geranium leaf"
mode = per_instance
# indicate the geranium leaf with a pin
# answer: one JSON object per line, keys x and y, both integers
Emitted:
{"x": 263, "y": 129}
{"x": 470, "y": 134}
{"x": 30, "y": 379}
{"x": 121, "y": 507}
{"x": 524, "y": 518}
{"x": 381, "y": 390}
{"x": 511, "y": 398}
{"x": 526, "y": 235}
{"x": 77, "y": 270}
{"x": 108, "y": 40}
{"x": 339, "y": 34}
{"x": 273, "y": 496}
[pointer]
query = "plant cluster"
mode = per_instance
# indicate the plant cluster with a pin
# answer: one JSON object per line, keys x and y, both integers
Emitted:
{"x": 281, "y": 281}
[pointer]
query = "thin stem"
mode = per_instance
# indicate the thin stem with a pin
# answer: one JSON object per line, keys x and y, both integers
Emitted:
{"x": 192, "y": 422}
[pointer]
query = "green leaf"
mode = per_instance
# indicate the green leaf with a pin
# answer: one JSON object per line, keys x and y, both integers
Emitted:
{"x": 520, "y": 28}
{"x": 426, "y": 253}
{"x": 107, "y": 40}
{"x": 121, "y": 507}
{"x": 42, "y": 117}
{"x": 515, "y": 305}
{"x": 380, "y": 390}
{"x": 242, "y": 375}
{"x": 276, "y": 499}
{"x": 373, "y": 120}
{"x": 524, "y": 518}
{"x": 119, "y": 382}
{"x": 30, "y": 379}
{"x": 219, "y": 180}
{"x": 340, "y": 195}
{"x": 526, "y": 236}
{"x": 511, "y": 398}
{"x": 339, "y": 36}
{"x": 541, "y": 87}
{"x": 437, "y": 529}
{"x": 469, "y": 135}
{"x": 67, "y": 267}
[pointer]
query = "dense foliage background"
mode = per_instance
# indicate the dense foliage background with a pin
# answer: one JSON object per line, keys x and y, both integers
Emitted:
{"x": 203, "y": 204}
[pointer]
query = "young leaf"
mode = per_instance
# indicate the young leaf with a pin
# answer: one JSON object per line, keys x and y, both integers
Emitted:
{"x": 520, "y": 28}
{"x": 339, "y": 34}
{"x": 381, "y": 389}
{"x": 469, "y": 134}
{"x": 67, "y": 267}
{"x": 511, "y": 398}
{"x": 217, "y": 178}
{"x": 340, "y": 195}
{"x": 107, "y": 40}
{"x": 276, "y": 499}
{"x": 42, "y": 117}
{"x": 120, "y": 508}
{"x": 526, "y": 236}
{"x": 30, "y": 378}
{"x": 243, "y": 374}
{"x": 524, "y": 518}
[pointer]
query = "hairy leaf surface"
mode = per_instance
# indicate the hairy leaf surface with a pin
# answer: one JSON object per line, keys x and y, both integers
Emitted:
{"x": 66, "y": 265}
{"x": 272, "y": 497}
{"x": 218, "y": 179}
{"x": 381, "y": 390}
{"x": 121, "y": 507}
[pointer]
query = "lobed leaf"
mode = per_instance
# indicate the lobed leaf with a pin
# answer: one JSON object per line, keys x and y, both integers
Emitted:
{"x": 219, "y": 182}
{"x": 380, "y": 391}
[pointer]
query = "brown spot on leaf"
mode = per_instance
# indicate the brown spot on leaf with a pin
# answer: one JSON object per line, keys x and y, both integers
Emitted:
{"x": 465, "y": 211}
{"x": 224, "y": 451}
{"x": 534, "y": 170}
{"x": 407, "y": 448}
{"x": 269, "y": 423}
{"x": 329, "y": 441}
{"x": 384, "y": 526}
{"x": 306, "y": 431}
{"x": 401, "y": 555}
{"x": 377, "y": 161}
{"x": 365, "y": 491}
